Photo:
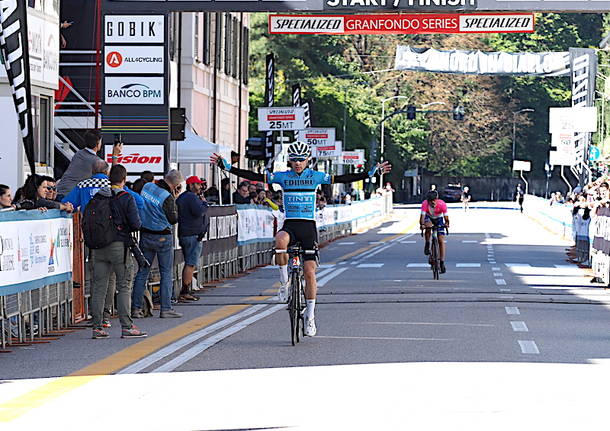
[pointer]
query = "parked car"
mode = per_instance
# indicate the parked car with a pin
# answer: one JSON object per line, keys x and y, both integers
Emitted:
{"x": 452, "y": 193}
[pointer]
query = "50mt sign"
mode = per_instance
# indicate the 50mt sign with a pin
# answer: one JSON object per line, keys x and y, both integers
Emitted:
{"x": 280, "y": 119}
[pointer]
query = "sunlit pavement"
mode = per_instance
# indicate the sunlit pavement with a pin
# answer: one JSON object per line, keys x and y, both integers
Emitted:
{"x": 512, "y": 336}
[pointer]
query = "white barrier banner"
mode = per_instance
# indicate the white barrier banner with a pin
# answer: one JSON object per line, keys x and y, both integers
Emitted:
{"x": 35, "y": 249}
{"x": 254, "y": 224}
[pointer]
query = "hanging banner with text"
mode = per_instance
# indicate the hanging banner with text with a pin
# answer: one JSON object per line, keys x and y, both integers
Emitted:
{"x": 482, "y": 63}
{"x": 401, "y": 24}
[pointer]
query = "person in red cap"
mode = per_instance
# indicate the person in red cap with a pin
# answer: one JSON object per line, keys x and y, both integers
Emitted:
{"x": 192, "y": 227}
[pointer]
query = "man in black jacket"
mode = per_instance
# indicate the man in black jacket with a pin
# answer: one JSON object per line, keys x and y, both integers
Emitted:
{"x": 116, "y": 257}
{"x": 192, "y": 209}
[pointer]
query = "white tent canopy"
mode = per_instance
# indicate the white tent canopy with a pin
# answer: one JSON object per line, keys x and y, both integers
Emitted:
{"x": 195, "y": 149}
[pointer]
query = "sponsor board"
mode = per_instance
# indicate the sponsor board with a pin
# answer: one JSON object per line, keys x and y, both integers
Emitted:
{"x": 139, "y": 158}
{"x": 43, "y": 45}
{"x": 279, "y": 119}
{"x": 575, "y": 119}
{"x": 35, "y": 249}
{"x": 134, "y": 29}
{"x": 333, "y": 150}
{"x": 134, "y": 90}
{"x": 134, "y": 59}
{"x": 401, "y": 24}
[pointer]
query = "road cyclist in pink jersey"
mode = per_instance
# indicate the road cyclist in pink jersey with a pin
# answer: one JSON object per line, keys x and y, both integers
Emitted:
{"x": 434, "y": 213}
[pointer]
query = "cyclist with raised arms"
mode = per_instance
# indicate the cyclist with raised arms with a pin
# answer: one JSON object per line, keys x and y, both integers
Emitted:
{"x": 299, "y": 185}
{"x": 434, "y": 213}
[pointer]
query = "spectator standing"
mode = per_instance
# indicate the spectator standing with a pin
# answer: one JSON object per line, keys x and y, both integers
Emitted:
{"x": 156, "y": 239}
{"x": 81, "y": 165}
{"x": 242, "y": 195}
{"x": 115, "y": 257}
{"x": 192, "y": 227}
{"x": 466, "y": 197}
{"x": 519, "y": 196}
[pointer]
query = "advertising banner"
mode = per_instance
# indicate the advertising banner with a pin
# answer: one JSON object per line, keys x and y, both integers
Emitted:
{"x": 14, "y": 50}
{"x": 482, "y": 63}
{"x": 329, "y": 151}
{"x": 134, "y": 29}
{"x": 139, "y": 158}
{"x": 43, "y": 37}
{"x": 255, "y": 224}
{"x": 575, "y": 119}
{"x": 277, "y": 119}
{"x": 134, "y": 59}
{"x": 353, "y": 6}
{"x": 34, "y": 250}
{"x": 354, "y": 158}
{"x": 321, "y": 140}
{"x": 401, "y": 24}
{"x": 222, "y": 230}
{"x": 135, "y": 90}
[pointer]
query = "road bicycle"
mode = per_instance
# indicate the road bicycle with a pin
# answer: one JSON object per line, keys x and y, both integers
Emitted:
{"x": 296, "y": 294}
{"x": 434, "y": 258}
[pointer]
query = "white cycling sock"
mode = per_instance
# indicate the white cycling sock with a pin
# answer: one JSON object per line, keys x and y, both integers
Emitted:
{"x": 283, "y": 274}
{"x": 311, "y": 307}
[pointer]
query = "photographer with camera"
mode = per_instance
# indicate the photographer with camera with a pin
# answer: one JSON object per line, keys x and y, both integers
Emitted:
{"x": 109, "y": 220}
{"x": 192, "y": 226}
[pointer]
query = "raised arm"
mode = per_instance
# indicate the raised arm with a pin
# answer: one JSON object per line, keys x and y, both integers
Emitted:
{"x": 379, "y": 168}
{"x": 223, "y": 164}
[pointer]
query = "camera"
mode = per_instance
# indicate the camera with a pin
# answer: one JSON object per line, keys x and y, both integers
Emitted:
{"x": 135, "y": 250}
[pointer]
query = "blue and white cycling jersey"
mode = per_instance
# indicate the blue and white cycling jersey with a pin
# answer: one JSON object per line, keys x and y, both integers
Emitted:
{"x": 299, "y": 191}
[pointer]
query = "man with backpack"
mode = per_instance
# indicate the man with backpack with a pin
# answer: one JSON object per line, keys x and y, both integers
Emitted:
{"x": 108, "y": 221}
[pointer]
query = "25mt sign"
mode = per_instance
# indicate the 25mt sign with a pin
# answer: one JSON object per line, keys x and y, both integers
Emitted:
{"x": 281, "y": 119}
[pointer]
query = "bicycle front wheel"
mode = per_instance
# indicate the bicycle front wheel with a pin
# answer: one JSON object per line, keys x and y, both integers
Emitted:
{"x": 293, "y": 308}
{"x": 435, "y": 259}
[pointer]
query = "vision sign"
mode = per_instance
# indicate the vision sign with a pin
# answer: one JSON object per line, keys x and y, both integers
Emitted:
{"x": 401, "y": 24}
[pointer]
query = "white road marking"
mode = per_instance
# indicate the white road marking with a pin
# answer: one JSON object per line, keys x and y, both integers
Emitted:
{"x": 375, "y": 242}
{"x": 431, "y": 324}
{"x": 173, "y": 347}
{"x": 510, "y": 265}
{"x": 408, "y": 242}
{"x": 370, "y": 265}
{"x": 418, "y": 265}
{"x": 326, "y": 265}
{"x": 512, "y": 310}
{"x": 497, "y": 274}
{"x": 469, "y": 241}
{"x": 346, "y": 243}
{"x": 384, "y": 338}
{"x": 209, "y": 342}
{"x": 528, "y": 347}
{"x": 373, "y": 253}
{"x": 324, "y": 272}
{"x": 467, "y": 265}
{"x": 506, "y": 297}
{"x": 519, "y": 326}
{"x": 493, "y": 262}
{"x": 329, "y": 277}
{"x": 495, "y": 268}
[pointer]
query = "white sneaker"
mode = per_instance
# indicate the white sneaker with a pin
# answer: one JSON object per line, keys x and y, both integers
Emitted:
{"x": 282, "y": 293}
{"x": 310, "y": 327}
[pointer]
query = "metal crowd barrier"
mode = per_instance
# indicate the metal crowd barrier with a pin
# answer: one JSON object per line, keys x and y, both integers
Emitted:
{"x": 32, "y": 315}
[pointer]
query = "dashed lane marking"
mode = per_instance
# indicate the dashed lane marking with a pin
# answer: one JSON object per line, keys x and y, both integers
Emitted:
{"x": 408, "y": 242}
{"x": 346, "y": 243}
{"x": 496, "y": 268}
{"x": 370, "y": 265}
{"x": 329, "y": 277}
{"x": 511, "y": 265}
{"x": 418, "y": 265}
{"x": 497, "y": 274}
{"x": 512, "y": 310}
{"x": 500, "y": 282}
{"x": 469, "y": 241}
{"x": 467, "y": 265}
{"x": 519, "y": 326}
{"x": 528, "y": 347}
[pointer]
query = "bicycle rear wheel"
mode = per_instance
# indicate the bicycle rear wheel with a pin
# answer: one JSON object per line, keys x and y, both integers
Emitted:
{"x": 435, "y": 259}
{"x": 293, "y": 308}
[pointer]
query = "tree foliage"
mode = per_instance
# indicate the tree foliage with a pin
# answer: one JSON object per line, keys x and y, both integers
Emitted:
{"x": 349, "y": 77}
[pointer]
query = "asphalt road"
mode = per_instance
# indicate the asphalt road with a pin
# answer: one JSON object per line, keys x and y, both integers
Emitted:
{"x": 510, "y": 333}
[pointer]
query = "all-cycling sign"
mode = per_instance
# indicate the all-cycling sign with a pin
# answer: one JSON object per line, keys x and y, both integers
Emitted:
{"x": 278, "y": 119}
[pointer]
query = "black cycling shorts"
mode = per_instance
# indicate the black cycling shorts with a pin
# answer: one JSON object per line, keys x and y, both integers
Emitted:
{"x": 305, "y": 232}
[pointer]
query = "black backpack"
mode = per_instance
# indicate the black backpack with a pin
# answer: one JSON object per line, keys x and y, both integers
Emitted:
{"x": 99, "y": 229}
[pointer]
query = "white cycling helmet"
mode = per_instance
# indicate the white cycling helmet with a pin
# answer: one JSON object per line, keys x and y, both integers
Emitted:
{"x": 298, "y": 150}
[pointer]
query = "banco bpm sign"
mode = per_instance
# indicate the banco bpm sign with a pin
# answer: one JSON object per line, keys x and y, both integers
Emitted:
{"x": 361, "y": 5}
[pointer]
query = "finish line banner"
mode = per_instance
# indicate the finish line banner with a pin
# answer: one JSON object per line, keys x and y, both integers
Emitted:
{"x": 482, "y": 63}
{"x": 401, "y": 24}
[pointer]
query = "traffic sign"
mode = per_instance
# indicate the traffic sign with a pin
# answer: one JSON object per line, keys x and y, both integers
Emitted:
{"x": 277, "y": 119}
{"x": 594, "y": 154}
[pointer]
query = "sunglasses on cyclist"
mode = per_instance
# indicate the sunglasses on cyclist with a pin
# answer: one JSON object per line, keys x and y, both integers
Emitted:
{"x": 297, "y": 159}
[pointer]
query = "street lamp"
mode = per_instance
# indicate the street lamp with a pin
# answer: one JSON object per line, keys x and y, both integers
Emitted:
{"x": 515, "y": 126}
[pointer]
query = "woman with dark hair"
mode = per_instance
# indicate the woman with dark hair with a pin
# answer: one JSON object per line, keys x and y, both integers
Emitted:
{"x": 37, "y": 188}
